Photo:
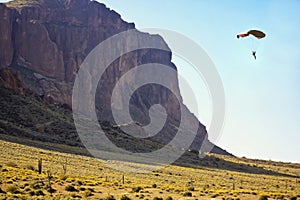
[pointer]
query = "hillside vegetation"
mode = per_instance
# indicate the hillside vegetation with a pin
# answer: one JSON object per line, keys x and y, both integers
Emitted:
{"x": 31, "y": 129}
{"x": 70, "y": 176}
{"x": 28, "y": 116}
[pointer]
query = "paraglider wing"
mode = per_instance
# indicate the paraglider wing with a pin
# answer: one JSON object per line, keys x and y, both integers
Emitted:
{"x": 242, "y": 35}
{"x": 256, "y": 33}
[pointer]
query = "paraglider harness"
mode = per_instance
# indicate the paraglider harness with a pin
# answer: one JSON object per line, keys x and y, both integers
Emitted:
{"x": 254, "y": 54}
{"x": 256, "y": 33}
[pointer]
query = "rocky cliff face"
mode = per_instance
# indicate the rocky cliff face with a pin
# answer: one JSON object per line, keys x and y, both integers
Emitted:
{"x": 47, "y": 40}
{"x": 52, "y": 38}
{"x": 6, "y": 43}
{"x": 11, "y": 80}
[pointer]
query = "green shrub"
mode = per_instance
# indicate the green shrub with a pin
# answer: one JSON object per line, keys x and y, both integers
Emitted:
{"x": 154, "y": 185}
{"x": 169, "y": 198}
{"x": 157, "y": 198}
{"x": 30, "y": 167}
{"x": 263, "y": 197}
{"x": 37, "y": 185}
{"x": 12, "y": 164}
{"x": 88, "y": 193}
{"x": 293, "y": 198}
{"x": 51, "y": 190}
{"x": 1, "y": 191}
{"x": 280, "y": 197}
{"x": 39, "y": 193}
{"x": 63, "y": 177}
{"x": 137, "y": 189}
{"x": 13, "y": 189}
{"x": 187, "y": 194}
{"x": 31, "y": 193}
{"x": 191, "y": 188}
{"x": 75, "y": 196}
{"x": 70, "y": 188}
{"x": 124, "y": 197}
{"x": 110, "y": 198}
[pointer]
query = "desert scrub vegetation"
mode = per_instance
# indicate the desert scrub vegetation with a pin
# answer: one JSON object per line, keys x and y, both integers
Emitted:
{"x": 124, "y": 197}
{"x": 263, "y": 197}
{"x": 111, "y": 197}
{"x": 13, "y": 189}
{"x": 70, "y": 188}
{"x": 31, "y": 118}
{"x": 187, "y": 194}
{"x": 137, "y": 189}
{"x": 89, "y": 178}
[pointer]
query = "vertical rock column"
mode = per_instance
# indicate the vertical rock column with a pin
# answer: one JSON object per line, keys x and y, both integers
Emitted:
{"x": 6, "y": 45}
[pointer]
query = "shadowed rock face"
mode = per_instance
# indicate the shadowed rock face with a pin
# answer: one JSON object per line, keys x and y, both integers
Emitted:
{"x": 6, "y": 43}
{"x": 47, "y": 41}
{"x": 11, "y": 80}
{"x": 52, "y": 38}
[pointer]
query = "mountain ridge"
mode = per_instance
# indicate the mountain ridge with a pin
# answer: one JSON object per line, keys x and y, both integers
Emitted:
{"x": 45, "y": 42}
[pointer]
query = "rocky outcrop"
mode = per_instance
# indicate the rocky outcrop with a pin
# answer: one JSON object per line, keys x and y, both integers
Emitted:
{"x": 6, "y": 43}
{"x": 11, "y": 80}
{"x": 34, "y": 49}
{"x": 47, "y": 40}
{"x": 52, "y": 38}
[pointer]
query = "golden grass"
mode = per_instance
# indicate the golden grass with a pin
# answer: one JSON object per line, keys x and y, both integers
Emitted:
{"x": 90, "y": 178}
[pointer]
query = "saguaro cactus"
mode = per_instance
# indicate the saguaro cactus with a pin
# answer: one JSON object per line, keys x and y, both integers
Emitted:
{"x": 40, "y": 165}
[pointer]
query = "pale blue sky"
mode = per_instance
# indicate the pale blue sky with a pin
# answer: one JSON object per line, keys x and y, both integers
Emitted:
{"x": 262, "y": 96}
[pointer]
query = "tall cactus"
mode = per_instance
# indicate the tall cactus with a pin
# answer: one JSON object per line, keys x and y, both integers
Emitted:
{"x": 40, "y": 165}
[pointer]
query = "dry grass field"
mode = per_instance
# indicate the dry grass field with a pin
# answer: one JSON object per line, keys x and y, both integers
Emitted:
{"x": 71, "y": 176}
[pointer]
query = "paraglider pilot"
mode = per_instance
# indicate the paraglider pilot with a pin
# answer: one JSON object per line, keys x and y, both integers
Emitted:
{"x": 256, "y": 33}
{"x": 254, "y": 54}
